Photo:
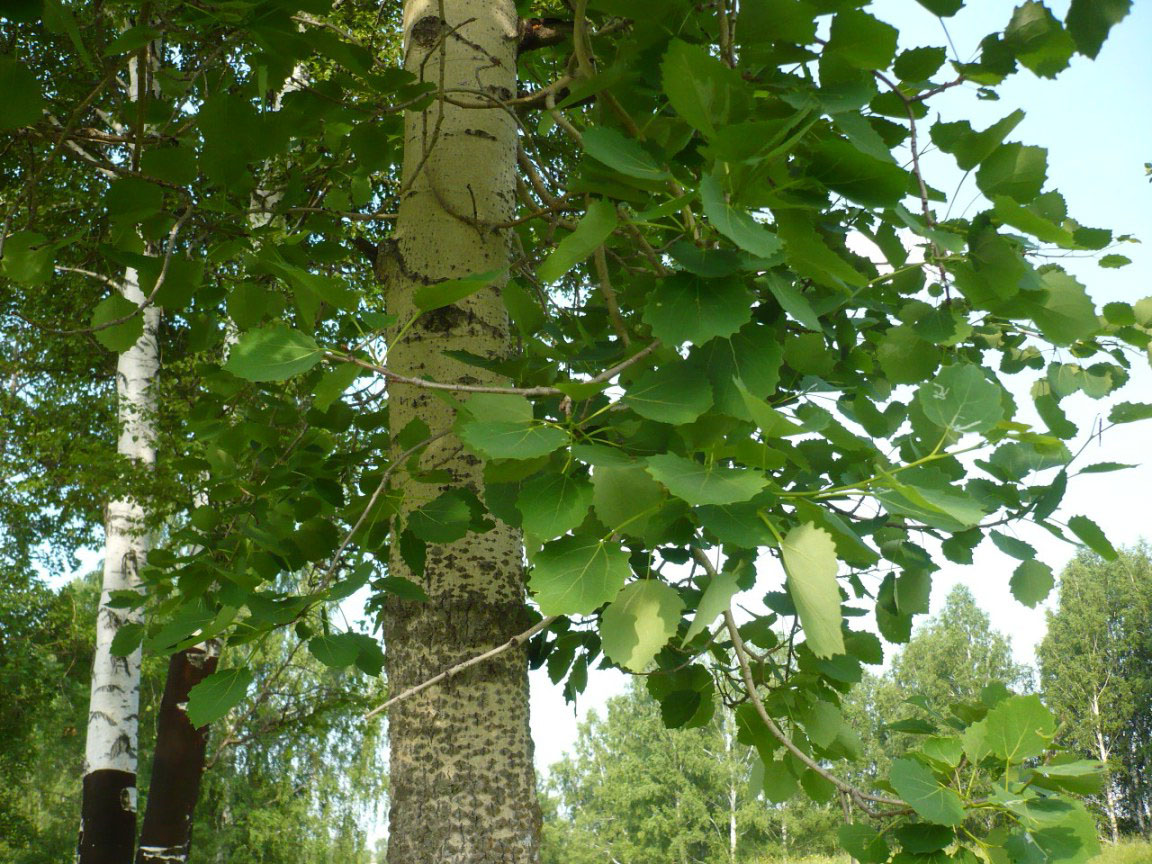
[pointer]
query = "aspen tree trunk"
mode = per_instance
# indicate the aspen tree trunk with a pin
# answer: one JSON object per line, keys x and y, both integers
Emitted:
{"x": 179, "y": 758}
{"x": 461, "y": 774}
{"x": 108, "y": 804}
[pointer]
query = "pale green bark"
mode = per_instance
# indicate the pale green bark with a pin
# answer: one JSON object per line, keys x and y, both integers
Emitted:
{"x": 461, "y": 774}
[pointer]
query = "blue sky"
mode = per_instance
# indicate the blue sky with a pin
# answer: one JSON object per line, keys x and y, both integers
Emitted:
{"x": 1095, "y": 121}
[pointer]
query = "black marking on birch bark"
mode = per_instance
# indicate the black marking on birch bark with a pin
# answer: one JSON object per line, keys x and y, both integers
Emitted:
{"x": 107, "y": 829}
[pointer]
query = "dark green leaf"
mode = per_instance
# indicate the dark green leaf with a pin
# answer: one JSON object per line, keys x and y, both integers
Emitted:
{"x": 1032, "y": 582}
{"x": 1093, "y": 537}
{"x": 621, "y": 153}
{"x": 686, "y": 308}
{"x": 1090, "y": 20}
{"x": 119, "y": 337}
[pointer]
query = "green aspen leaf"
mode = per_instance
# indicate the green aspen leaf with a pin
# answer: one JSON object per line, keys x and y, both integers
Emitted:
{"x": 440, "y": 294}
{"x": 822, "y": 723}
{"x": 127, "y": 639}
{"x": 779, "y": 783}
{"x": 777, "y": 21}
{"x": 172, "y": 164}
{"x": 553, "y": 504}
{"x": 857, "y": 176}
{"x": 1031, "y": 582}
{"x": 216, "y": 695}
{"x": 791, "y": 300}
{"x": 1105, "y": 467}
{"x": 772, "y": 423}
{"x": 27, "y": 258}
{"x": 736, "y": 524}
{"x": 510, "y": 438}
{"x": 336, "y": 649}
{"x": 943, "y": 8}
{"x": 752, "y": 356}
{"x": 864, "y": 843}
{"x": 626, "y": 497}
{"x": 1090, "y": 20}
{"x": 924, "y": 839}
{"x": 595, "y": 226}
{"x": 1080, "y": 777}
{"x": 119, "y": 337}
{"x": 639, "y": 622}
{"x": 810, "y": 561}
{"x": 1066, "y": 314}
{"x": 1130, "y": 412}
{"x": 444, "y": 519}
{"x": 810, "y": 255}
{"x": 674, "y": 393}
{"x": 905, "y": 357}
{"x": 919, "y": 64}
{"x": 861, "y": 40}
{"x": 621, "y": 154}
{"x": 1012, "y": 546}
{"x": 686, "y": 308}
{"x": 575, "y": 575}
{"x": 703, "y": 90}
{"x": 1114, "y": 262}
{"x": 1038, "y": 40}
{"x": 1089, "y": 532}
{"x": 916, "y": 784}
{"x": 696, "y": 483}
{"x": 332, "y": 386}
{"x": 960, "y": 398}
{"x": 1018, "y": 728}
{"x": 713, "y": 603}
{"x": 273, "y": 353}
{"x": 130, "y": 199}
{"x": 737, "y": 225}
{"x": 23, "y": 103}
{"x": 1015, "y": 170}
{"x": 971, "y": 148}
{"x": 946, "y": 750}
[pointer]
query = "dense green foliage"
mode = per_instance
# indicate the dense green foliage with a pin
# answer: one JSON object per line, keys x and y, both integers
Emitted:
{"x": 708, "y": 370}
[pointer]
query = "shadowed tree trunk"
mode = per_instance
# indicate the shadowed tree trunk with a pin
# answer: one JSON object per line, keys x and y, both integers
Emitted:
{"x": 461, "y": 776}
{"x": 178, "y": 764}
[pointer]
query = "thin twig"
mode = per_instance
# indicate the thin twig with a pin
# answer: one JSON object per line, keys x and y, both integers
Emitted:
{"x": 452, "y": 671}
{"x": 603, "y": 377}
{"x": 860, "y": 797}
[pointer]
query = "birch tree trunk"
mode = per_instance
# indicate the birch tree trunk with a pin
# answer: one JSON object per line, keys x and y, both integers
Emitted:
{"x": 461, "y": 774}
{"x": 108, "y": 804}
{"x": 1102, "y": 754}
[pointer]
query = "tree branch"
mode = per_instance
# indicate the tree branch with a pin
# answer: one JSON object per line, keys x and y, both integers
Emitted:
{"x": 452, "y": 671}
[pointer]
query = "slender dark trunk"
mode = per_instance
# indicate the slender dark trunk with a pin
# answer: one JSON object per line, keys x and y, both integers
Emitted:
{"x": 178, "y": 764}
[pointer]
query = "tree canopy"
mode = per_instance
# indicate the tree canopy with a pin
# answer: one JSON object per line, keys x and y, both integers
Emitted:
{"x": 672, "y": 305}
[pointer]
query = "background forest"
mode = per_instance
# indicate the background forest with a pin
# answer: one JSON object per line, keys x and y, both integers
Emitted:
{"x": 299, "y": 776}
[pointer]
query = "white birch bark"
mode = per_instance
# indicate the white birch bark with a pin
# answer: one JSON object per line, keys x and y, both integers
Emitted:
{"x": 107, "y": 828}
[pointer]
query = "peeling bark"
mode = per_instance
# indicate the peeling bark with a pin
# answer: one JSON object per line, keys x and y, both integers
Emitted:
{"x": 461, "y": 777}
